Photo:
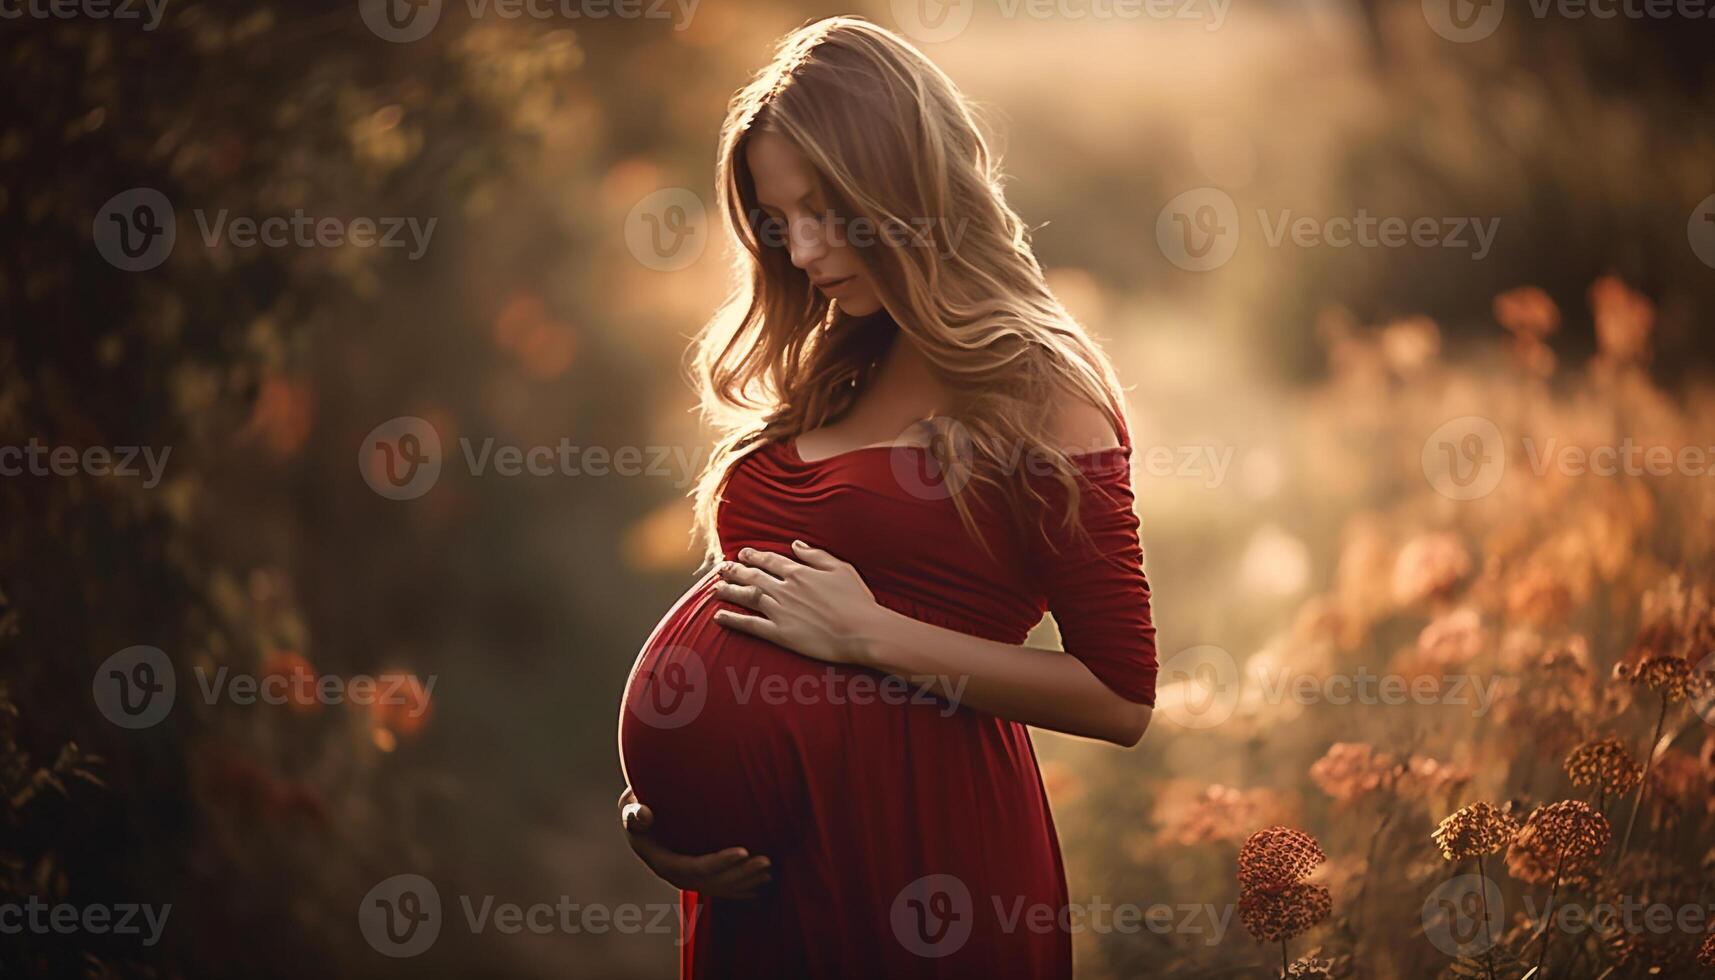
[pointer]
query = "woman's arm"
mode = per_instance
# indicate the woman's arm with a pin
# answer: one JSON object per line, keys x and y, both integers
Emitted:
{"x": 1045, "y": 688}
{"x": 819, "y": 606}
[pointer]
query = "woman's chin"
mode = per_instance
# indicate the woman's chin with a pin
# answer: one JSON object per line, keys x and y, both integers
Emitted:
{"x": 858, "y": 307}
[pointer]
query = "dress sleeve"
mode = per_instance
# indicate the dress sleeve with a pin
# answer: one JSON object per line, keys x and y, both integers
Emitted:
{"x": 1096, "y": 587}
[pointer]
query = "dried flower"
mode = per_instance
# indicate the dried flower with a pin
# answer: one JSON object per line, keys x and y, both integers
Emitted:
{"x": 1277, "y": 857}
{"x": 1429, "y": 567}
{"x": 1706, "y": 952}
{"x": 1666, "y": 675}
{"x": 1676, "y": 779}
{"x": 1604, "y": 765}
{"x": 1427, "y": 778}
{"x": 1191, "y": 815}
{"x": 1452, "y": 640}
{"x": 1274, "y": 916}
{"x": 1314, "y": 966}
{"x": 1565, "y": 837}
{"x": 1477, "y": 828}
{"x": 1351, "y": 770}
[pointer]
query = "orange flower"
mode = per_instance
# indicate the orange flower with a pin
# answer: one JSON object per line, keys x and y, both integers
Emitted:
{"x": 1624, "y": 320}
{"x": 1528, "y": 312}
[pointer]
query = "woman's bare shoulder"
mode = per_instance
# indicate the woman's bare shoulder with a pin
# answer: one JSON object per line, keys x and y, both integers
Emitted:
{"x": 1080, "y": 426}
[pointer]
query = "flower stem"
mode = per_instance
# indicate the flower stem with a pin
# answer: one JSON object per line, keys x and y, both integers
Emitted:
{"x": 1643, "y": 784}
{"x": 1548, "y": 918}
{"x": 1483, "y": 889}
{"x": 1285, "y": 964}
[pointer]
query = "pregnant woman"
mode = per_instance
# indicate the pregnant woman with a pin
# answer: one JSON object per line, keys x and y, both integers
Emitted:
{"x": 825, "y": 739}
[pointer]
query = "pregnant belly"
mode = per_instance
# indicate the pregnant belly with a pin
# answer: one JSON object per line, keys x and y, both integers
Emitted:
{"x": 720, "y": 731}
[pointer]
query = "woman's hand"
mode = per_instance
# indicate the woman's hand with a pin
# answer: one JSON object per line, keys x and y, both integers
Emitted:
{"x": 731, "y": 873}
{"x": 817, "y": 605}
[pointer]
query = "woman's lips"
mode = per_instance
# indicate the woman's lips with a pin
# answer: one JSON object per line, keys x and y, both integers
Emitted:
{"x": 834, "y": 285}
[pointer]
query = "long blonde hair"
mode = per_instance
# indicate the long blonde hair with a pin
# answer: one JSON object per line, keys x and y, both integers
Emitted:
{"x": 895, "y": 146}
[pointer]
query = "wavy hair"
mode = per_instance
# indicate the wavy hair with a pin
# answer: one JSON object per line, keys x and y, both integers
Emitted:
{"x": 896, "y": 148}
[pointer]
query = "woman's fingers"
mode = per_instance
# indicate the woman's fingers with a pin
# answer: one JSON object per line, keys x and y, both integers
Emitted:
{"x": 710, "y": 865}
{"x": 747, "y": 577}
{"x": 729, "y": 873}
{"x": 748, "y": 596}
{"x": 754, "y": 625}
{"x": 742, "y": 880}
{"x": 815, "y": 557}
{"x": 773, "y": 563}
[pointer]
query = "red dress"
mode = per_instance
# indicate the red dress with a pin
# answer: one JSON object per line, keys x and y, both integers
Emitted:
{"x": 908, "y": 837}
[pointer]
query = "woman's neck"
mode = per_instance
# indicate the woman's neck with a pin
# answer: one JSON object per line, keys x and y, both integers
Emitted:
{"x": 904, "y": 388}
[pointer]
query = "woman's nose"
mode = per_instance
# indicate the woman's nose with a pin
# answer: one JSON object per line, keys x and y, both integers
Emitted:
{"x": 805, "y": 242}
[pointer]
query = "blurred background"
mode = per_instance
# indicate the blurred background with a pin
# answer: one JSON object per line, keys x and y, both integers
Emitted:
{"x": 497, "y": 225}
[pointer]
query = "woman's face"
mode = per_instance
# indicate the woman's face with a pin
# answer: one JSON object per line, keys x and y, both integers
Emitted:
{"x": 788, "y": 192}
